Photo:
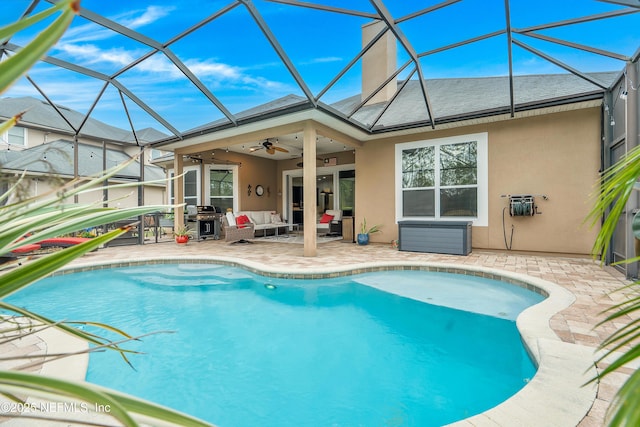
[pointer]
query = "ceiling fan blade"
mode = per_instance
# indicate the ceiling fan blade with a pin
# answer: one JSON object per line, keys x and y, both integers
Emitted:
{"x": 271, "y": 150}
{"x": 284, "y": 150}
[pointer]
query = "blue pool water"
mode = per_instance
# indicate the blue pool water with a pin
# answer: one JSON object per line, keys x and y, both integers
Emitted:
{"x": 331, "y": 352}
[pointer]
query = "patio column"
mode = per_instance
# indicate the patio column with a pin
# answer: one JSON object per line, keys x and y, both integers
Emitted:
{"x": 309, "y": 194}
{"x": 178, "y": 189}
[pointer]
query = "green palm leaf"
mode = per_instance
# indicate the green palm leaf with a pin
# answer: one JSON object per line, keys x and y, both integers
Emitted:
{"x": 45, "y": 216}
{"x": 15, "y": 66}
{"x": 120, "y": 406}
{"x": 617, "y": 184}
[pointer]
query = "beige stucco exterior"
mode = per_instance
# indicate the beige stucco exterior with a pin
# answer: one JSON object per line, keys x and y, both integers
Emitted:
{"x": 551, "y": 153}
{"x": 557, "y": 155}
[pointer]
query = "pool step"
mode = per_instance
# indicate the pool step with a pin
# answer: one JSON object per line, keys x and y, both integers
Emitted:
{"x": 188, "y": 275}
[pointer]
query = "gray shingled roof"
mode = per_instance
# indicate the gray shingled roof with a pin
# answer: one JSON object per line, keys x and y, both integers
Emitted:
{"x": 57, "y": 157}
{"x": 459, "y": 98}
{"x": 42, "y": 114}
{"x": 261, "y": 111}
{"x": 452, "y": 99}
{"x": 7, "y": 156}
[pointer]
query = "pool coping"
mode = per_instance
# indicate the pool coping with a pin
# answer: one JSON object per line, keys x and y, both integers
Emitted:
{"x": 559, "y": 394}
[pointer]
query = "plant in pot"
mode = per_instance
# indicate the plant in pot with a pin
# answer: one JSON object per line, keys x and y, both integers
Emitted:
{"x": 182, "y": 234}
{"x": 363, "y": 236}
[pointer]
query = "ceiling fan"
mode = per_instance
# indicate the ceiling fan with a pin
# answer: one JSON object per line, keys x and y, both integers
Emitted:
{"x": 269, "y": 147}
{"x": 319, "y": 161}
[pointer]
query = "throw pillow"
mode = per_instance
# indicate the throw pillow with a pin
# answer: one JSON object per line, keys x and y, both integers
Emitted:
{"x": 275, "y": 219}
{"x": 326, "y": 218}
{"x": 231, "y": 219}
{"x": 241, "y": 220}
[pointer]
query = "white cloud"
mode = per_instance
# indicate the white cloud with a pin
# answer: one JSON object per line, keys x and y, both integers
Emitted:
{"x": 87, "y": 54}
{"x": 150, "y": 15}
{"x": 216, "y": 70}
{"x": 132, "y": 19}
{"x": 322, "y": 60}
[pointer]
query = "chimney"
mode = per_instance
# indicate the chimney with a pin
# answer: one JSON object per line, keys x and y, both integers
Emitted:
{"x": 378, "y": 63}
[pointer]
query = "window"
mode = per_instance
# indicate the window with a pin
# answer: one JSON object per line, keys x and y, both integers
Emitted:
{"x": 347, "y": 189}
{"x": 155, "y": 153}
{"x": 443, "y": 179}
{"x": 221, "y": 188}
{"x": 17, "y": 136}
{"x": 191, "y": 186}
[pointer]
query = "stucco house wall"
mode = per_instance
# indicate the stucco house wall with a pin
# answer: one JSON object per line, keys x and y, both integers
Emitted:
{"x": 557, "y": 155}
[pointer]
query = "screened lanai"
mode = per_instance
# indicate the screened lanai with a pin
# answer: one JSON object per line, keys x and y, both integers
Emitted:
{"x": 214, "y": 75}
{"x": 131, "y": 65}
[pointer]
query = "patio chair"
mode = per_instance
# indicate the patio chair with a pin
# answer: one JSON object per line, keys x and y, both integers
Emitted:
{"x": 237, "y": 233}
{"x": 331, "y": 223}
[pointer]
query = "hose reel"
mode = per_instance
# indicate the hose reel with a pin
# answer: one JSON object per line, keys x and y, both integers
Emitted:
{"x": 522, "y": 205}
{"x": 519, "y": 205}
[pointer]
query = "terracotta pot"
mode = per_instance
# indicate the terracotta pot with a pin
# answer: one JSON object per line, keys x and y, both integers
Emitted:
{"x": 182, "y": 239}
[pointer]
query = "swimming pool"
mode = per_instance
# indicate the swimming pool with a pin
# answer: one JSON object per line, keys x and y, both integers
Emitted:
{"x": 338, "y": 351}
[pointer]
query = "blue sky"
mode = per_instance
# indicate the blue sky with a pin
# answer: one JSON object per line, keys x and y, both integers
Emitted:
{"x": 235, "y": 61}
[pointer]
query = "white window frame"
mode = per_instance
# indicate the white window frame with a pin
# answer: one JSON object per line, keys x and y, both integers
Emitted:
{"x": 198, "y": 184}
{"x": 482, "y": 140}
{"x": 5, "y": 137}
{"x": 236, "y": 183}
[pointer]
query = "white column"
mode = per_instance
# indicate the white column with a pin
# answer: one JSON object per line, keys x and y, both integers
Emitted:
{"x": 309, "y": 194}
{"x": 178, "y": 185}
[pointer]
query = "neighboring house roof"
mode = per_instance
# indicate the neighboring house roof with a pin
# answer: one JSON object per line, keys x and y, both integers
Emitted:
{"x": 42, "y": 115}
{"x": 57, "y": 157}
{"x": 7, "y": 156}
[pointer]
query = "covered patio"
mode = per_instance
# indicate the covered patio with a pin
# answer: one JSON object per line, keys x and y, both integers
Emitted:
{"x": 387, "y": 90}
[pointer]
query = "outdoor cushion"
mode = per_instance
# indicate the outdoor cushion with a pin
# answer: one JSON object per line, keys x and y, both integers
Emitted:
{"x": 242, "y": 220}
{"x": 326, "y": 218}
{"x": 231, "y": 219}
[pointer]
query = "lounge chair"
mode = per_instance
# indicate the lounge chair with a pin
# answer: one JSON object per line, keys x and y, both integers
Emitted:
{"x": 237, "y": 233}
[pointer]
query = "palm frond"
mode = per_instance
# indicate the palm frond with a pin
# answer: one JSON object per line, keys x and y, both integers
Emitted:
{"x": 12, "y": 68}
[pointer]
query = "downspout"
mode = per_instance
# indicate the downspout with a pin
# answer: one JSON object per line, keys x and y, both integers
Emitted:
{"x": 105, "y": 184}
{"x": 141, "y": 196}
{"x": 631, "y": 135}
{"x": 75, "y": 164}
{"x": 605, "y": 155}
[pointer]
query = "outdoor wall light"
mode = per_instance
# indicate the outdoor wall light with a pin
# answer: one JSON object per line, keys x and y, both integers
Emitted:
{"x": 623, "y": 95}
{"x": 613, "y": 122}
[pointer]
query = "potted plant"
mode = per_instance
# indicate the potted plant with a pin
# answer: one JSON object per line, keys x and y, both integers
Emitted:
{"x": 182, "y": 234}
{"x": 363, "y": 236}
